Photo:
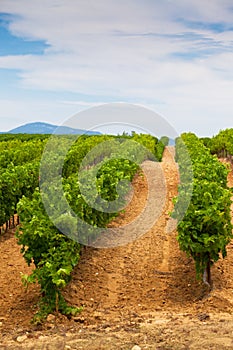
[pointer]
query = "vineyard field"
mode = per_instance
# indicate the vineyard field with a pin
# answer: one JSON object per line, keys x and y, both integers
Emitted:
{"x": 143, "y": 293}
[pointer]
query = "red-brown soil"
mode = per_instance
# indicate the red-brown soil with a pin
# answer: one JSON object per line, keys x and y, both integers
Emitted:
{"x": 144, "y": 293}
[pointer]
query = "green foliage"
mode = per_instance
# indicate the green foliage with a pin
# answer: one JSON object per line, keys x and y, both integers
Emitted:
{"x": 53, "y": 255}
{"x": 222, "y": 144}
{"x": 206, "y": 227}
{"x": 151, "y": 143}
{"x": 8, "y": 138}
{"x": 16, "y": 181}
{"x": 159, "y": 149}
{"x": 207, "y": 141}
{"x": 79, "y": 149}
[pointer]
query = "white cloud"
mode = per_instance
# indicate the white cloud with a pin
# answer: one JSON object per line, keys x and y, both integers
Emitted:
{"x": 129, "y": 49}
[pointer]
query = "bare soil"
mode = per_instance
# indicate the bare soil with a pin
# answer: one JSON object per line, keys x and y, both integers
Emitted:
{"x": 144, "y": 293}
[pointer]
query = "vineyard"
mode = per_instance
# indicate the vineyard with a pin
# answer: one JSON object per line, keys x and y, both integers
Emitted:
{"x": 98, "y": 288}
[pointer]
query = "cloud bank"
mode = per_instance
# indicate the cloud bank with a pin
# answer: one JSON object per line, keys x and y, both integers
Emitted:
{"x": 173, "y": 56}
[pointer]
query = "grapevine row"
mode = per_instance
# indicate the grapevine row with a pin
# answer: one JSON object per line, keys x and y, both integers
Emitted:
{"x": 205, "y": 229}
{"x": 52, "y": 253}
{"x": 19, "y": 171}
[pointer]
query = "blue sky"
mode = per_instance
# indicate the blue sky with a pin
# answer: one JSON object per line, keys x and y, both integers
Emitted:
{"x": 174, "y": 57}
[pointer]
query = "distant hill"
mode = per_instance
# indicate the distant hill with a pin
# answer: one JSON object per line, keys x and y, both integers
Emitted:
{"x": 45, "y": 128}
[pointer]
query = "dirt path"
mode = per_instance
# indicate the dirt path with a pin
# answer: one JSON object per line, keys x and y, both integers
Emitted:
{"x": 144, "y": 292}
{"x": 16, "y": 305}
{"x": 127, "y": 277}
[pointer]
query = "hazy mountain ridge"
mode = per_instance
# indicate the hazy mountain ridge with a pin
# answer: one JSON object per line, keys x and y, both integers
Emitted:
{"x": 46, "y": 128}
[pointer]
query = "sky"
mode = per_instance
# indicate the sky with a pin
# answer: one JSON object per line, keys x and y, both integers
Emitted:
{"x": 174, "y": 57}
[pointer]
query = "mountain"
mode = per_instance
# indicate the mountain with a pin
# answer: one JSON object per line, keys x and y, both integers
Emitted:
{"x": 45, "y": 128}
